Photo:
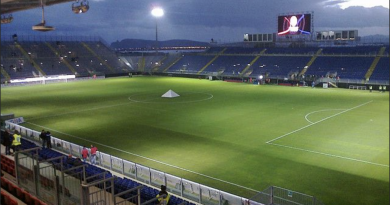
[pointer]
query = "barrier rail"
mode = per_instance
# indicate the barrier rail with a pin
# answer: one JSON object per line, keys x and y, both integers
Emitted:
{"x": 187, "y": 189}
{"x": 182, "y": 187}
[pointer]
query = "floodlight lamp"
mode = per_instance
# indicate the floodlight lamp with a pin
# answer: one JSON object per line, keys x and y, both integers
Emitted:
{"x": 76, "y": 8}
{"x": 158, "y": 12}
{"x": 84, "y": 6}
{"x": 6, "y": 19}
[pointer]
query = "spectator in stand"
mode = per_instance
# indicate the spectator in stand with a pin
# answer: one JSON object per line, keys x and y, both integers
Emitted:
{"x": 93, "y": 154}
{"x": 7, "y": 142}
{"x": 69, "y": 160}
{"x": 77, "y": 162}
{"x": 43, "y": 138}
{"x": 48, "y": 139}
{"x": 163, "y": 196}
{"x": 16, "y": 142}
{"x": 84, "y": 154}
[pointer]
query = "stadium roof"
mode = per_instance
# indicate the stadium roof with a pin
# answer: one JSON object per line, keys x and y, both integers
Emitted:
{"x": 9, "y": 6}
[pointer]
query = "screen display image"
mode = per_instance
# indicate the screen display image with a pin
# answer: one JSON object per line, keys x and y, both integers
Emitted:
{"x": 294, "y": 24}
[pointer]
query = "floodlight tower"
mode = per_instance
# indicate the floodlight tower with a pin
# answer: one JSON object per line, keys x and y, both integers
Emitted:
{"x": 157, "y": 13}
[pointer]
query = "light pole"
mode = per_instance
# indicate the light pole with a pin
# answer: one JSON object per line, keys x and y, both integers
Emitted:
{"x": 157, "y": 12}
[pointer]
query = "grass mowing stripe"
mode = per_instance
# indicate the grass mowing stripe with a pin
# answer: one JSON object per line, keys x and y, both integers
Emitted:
{"x": 331, "y": 155}
{"x": 78, "y": 111}
{"x": 304, "y": 127}
{"x": 147, "y": 158}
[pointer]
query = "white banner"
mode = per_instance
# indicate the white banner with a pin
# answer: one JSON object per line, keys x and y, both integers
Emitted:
{"x": 17, "y": 120}
{"x": 191, "y": 190}
{"x": 117, "y": 164}
{"x": 143, "y": 173}
{"x": 210, "y": 196}
{"x": 129, "y": 169}
{"x": 157, "y": 178}
{"x": 105, "y": 159}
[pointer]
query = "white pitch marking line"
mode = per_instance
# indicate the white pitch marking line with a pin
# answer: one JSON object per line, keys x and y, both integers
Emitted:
{"x": 153, "y": 160}
{"x": 331, "y": 155}
{"x": 306, "y": 116}
{"x": 304, "y": 127}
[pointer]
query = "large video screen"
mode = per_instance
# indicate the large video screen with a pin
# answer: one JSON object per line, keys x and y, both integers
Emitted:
{"x": 294, "y": 24}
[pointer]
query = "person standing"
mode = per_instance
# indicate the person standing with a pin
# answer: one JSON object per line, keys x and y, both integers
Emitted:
{"x": 16, "y": 142}
{"x": 84, "y": 154}
{"x": 48, "y": 139}
{"x": 93, "y": 154}
{"x": 43, "y": 138}
{"x": 7, "y": 142}
{"x": 163, "y": 196}
{"x": 384, "y": 88}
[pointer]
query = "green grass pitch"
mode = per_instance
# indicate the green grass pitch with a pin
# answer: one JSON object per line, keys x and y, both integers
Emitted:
{"x": 329, "y": 143}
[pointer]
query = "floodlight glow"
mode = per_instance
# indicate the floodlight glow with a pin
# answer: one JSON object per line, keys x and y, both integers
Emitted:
{"x": 43, "y": 78}
{"x": 293, "y": 24}
{"x": 158, "y": 12}
{"x": 261, "y": 77}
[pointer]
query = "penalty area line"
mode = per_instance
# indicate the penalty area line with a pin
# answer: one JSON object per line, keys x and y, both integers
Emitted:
{"x": 314, "y": 123}
{"x": 331, "y": 155}
{"x": 147, "y": 158}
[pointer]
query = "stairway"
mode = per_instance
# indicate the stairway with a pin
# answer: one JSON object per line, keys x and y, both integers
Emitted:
{"x": 63, "y": 60}
{"x": 174, "y": 62}
{"x": 157, "y": 67}
{"x": 374, "y": 63}
{"x": 5, "y": 74}
{"x": 31, "y": 60}
{"x": 303, "y": 71}
{"x": 141, "y": 64}
{"x": 98, "y": 57}
{"x": 243, "y": 72}
{"x": 332, "y": 84}
{"x": 211, "y": 61}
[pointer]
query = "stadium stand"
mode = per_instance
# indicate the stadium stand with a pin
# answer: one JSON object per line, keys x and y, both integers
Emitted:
{"x": 28, "y": 59}
{"x": 228, "y": 65}
{"x": 35, "y": 58}
{"x": 190, "y": 64}
{"x": 345, "y": 67}
{"x": 279, "y": 66}
{"x": 293, "y": 51}
{"x": 242, "y": 50}
{"x": 381, "y": 72}
{"x": 357, "y": 50}
{"x": 120, "y": 184}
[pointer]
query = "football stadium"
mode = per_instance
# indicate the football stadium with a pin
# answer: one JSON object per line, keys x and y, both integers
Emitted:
{"x": 295, "y": 117}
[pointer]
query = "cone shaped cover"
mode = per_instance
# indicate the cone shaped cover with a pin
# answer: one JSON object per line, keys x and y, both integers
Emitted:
{"x": 170, "y": 94}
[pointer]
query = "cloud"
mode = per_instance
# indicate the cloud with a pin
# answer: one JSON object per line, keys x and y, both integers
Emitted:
{"x": 226, "y": 20}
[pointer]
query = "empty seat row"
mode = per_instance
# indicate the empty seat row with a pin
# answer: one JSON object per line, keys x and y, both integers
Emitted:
{"x": 19, "y": 193}
{"x": 120, "y": 184}
{"x": 6, "y": 199}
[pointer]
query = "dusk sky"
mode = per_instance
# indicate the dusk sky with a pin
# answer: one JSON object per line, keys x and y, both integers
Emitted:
{"x": 200, "y": 20}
